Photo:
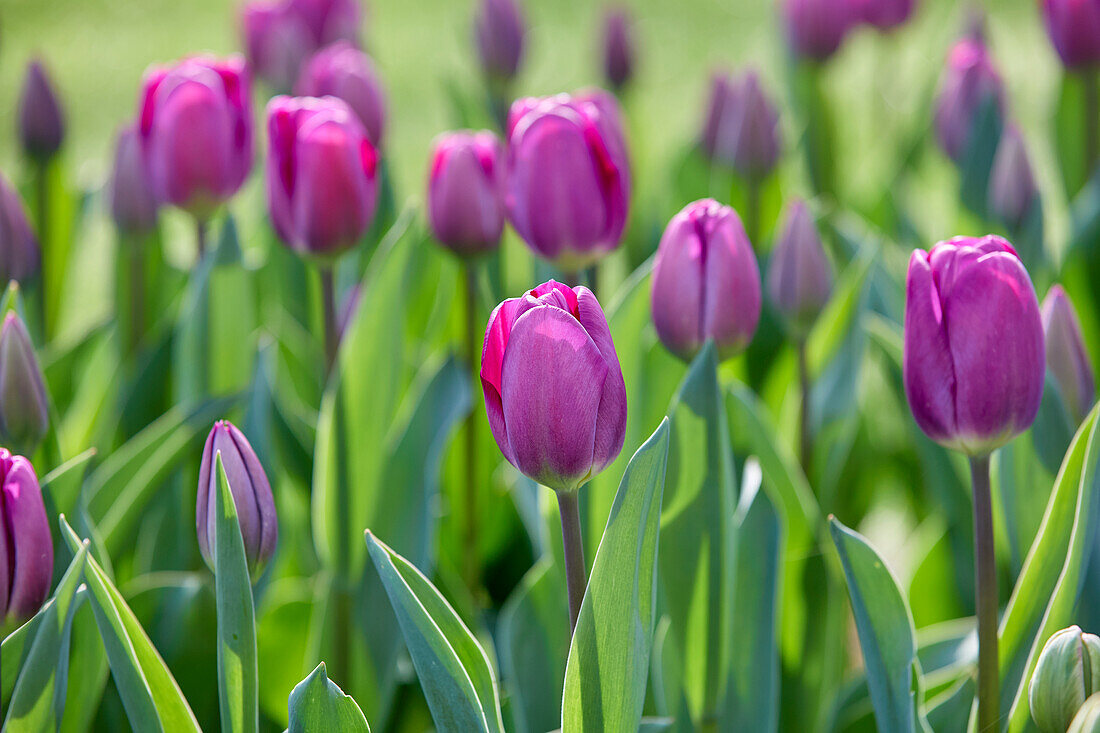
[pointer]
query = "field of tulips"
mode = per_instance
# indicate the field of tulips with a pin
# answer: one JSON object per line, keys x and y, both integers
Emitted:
{"x": 537, "y": 365}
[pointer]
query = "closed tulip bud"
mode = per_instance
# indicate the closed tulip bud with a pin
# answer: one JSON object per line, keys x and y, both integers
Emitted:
{"x": 19, "y": 253}
{"x": 883, "y": 14}
{"x": 800, "y": 277}
{"x": 1067, "y": 359}
{"x": 322, "y": 174}
{"x": 568, "y": 177}
{"x": 251, "y": 495}
{"x": 1011, "y": 185}
{"x": 26, "y": 550}
{"x": 1068, "y": 672}
{"x": 277, "y": 42}
{"x": 466, "y": 192}
{"x": 816, "y": 28}
{"x": 342, "y": 70}
{"x": 618, "y": 48}
{"x": 742, "y": 125}
{"x": 1087, "y": 719}
{"x": 553, "y": 387}
{"x": 41, "y": 123}
{"x": 196, "y": 132}
{"x": 24, "y": 415}
{"x": 969, "y": 82}
{"x": 499, "y": 30}
{"x": 133, "y": 207}
{"x": 974, "y": 357}
{"x": 1074, "y": 28}
{"x": 706, "y": 283}
{"x": 329, "y": 21}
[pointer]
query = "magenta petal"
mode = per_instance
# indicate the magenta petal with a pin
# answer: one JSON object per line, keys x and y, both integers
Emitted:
{"x": 32, "y": 568}
{"x": 929, "y": 371}
{"x": 678, "y": 287}
{"x": 731, "y": 307}
{"x": 611, "y": 418}
{"x": 492, "y": 364}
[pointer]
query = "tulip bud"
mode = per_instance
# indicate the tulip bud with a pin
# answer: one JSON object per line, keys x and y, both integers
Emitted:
{"x": 277, "y": 42}
{"x": 800, "y": 277}
{"x": 742, "y": 126}
{"x": 553, "y": 387}
{"x": 41, "y": 123}
{"x": 329, "y": 21}
{"x": 133, "y": 207}
{"x": 1067, "y": 359}
{"x": 1068, "y": 671}
{"x": 1074, "y": 28}
{"x": 466, "y": 192}
{"x": 969, "y": 82}
{"x": 343, "y": 71}
{"x": 251, "y": 495}
{"x": 1087, "y": 719}
{"x": 26, "y": 550}
{"x": 24, "y": 415}
{"x": 974, "y": 357}
{"x": 19, "y": 253}
{"x": 1011, "y": 185}
{"x": 499, "y": 30}
{"x": 618, "y": 48}
{"x": 568, "y": 177}
{"x": 706, "y": 284}
{"x": 816, "y": 28}
{"x": 322, "y": 174}
{"x": 884, "y": 14}
{"x": 196, "y": 132}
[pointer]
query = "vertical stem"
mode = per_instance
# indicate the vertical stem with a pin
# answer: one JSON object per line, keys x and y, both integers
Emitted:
{"x": 805, "y": 443}
{"x": 42, "y": 210}
{"x": 328, "y": 298}
{"x": 473, "y": 572}
{"x": 137, "y": 292}
{"x": 1092, "y": 121}
{"x": 752, "y": 214}
{"x": 341, "y": 590}
{"x": 575, "y": 574}
{"x": 985, "y": 578}
{"x": 200, "y": 238}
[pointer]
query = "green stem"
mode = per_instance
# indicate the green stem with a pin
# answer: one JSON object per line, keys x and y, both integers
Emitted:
{"x": 200, "y": 238}
{"x": 42, "y": 210}
{"x": 1092, "y": 121}
{"x": 341, "y": 589}
{"x": 470, "y": 534}
{"x": 328, "y": 298}
{"x": 985, "y": 578}
{"x": 752, "y": 214}
{"x": 137, "y": 292}
{"x": 576, "y": 578}
{"x": 805, "y": 439}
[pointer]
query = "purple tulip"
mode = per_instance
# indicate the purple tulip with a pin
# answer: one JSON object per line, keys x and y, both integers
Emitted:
{"x": 24, "y": 415}
{"x": 133, "y": 207}
{"x": 568, "y": 177}
{"x": 196, "y": 132}
{"x": 553, "y": 387}
{"x": 970, "y": 81}
{"x": 342, "y": 70}
{"x": 466, "y": 192}
{"x": 251, "y": 495}
{"x": 883, "y": 14}
{"x": 26, "y": 550}
{"x": 1067, "y": 359}
{"x": 816, "y": 28}
{"x": 19, "y": 253}
{"x": 1011, "y": 185}
{"x": 41, "y": 122}
{"x": 706, "y": 283}
{"x": 1074, "y": 28}
{"x": 618, "y": 47}
{"x": 277, "y": 42}
{"x": 499, "y": 30}
{"x": 322, "y": 174}
{"x": 742, "y": 125}
{"x": 800, "y": 278}
{"x": 974, "y": 363}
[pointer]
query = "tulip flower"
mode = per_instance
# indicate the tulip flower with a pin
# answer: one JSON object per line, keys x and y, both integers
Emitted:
{"x": 969, "y": 82}
{"x": 742, "y": 126}
{"x": 799, "y": 275}
{"x": 499, "y": 30}
{"x": 19, "y": 254}
{"x": 568, "y": 177}
{"x": 322, "y": 174}
{"x": 883, "y": 14}
{"x": 466, "y": 192}
{"x": 618, "y": 48}
{"x": 342, "y": 70}
{"x": 41, "y": 122}
{"x": 706, "y": 283}
{"x": 1012, "y": 189}
{"x": 1067, "y": 359}
{"x": 251, "y": 495}
{"x": 24, "y": 414}
{"x": 816, "y": 28}
{"x": 280, "y": 35}
{"x": 26, "y": 550}
{"x": 1067, "y": 673}
{"x": 1074, "y": 28}
{"x": 133, "y": 206}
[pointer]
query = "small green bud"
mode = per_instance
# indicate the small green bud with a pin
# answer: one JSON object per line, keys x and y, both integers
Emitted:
{"x": 1067, "y": 673}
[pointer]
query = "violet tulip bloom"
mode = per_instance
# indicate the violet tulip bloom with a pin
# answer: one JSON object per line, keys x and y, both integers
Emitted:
{"x": 742, "y": 125}
{"x": 618, "y": 47}
{"x": 322, "y": 174}
{"x": 196, "y": 132}
{"x": 499, "y": 30}
{"x": 568, "y": 177}
{"x": 24, "y": 413}
{"x": 466, "y": 192}
{"x": 974, "y": 356}
{"x": 342, "y": 70}
{"x": 280, "y": 35}
{"x": 800, "y": 278}
{"x": 1011, "y": 184}
{"x": 133, "y": 207}
{"x": 553, "y": 387}
{"x": 1074, "y": 28}
{"x": 41, "y": 122}
{"x": 969, "y": 82}
{"x": 251, "y": 495}
{"x": 20, "y": 256}
{"x": 883, "y": 14}
{"x": 706, "y": 283}
{"x": 26, "y": 550}
{"x": 1067, "y": 359}
{"x": 816, "y": 28}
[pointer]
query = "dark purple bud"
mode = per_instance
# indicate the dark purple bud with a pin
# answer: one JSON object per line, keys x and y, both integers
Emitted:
{"x": 1011, "y": 185}
{"x": 133, "y": 206}
{"x": 276, "y": 41}
{"x": 41, "y": 122}
{"x": 816, "y": 28}
{"x": 1074, "y": 28}
{"x": 1067, "y": 359}
{"x": 466, "y": 192}
{"x": 742, "y": 125}
{"x": 800, "y": 277}
{"x": 342, "y": 70}
{"x": 19, "y": 252}
{"x": 969, "y": 81}
{"x": 883, "y": 14}
{"x": 24, "y": 414}
{"x": 618, "y": 47}
{"x": 26, "y": 550}
{"x": 499, "y": 30}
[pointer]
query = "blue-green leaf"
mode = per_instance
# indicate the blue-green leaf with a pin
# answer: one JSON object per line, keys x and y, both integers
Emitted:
{"x": 318, "y": 704}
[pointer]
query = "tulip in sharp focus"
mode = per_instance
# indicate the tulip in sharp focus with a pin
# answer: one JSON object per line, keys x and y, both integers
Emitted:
{"x": 1011, "y": 185}
{"x": 24, "y": 415}
{"x": 41, "y": 122}
{"x": 742, "y": 125}
{"x": 466, "y": 192}
{"x": 969, "y": 82}
{"x": 1074, "y": 28}
{"x": 618, "y": 47}
{"x": 342, "y": 70}
{"x": 133, "y": 207}
{"x": 553, "y": 387}
{"x": 883, "y": 14}
{"x": 974, "y": 356}
{"x": 499, "y": 31}
{"x": 251, "y": 495}
{"x": 1068, "y": 672}
{"x": 706, "y": 283}
{"x": 1066, "y": 356}
{"x": 196, "y": 132}
{"x": 799, "y": 274}
{"x": 568, "y": 177}
{"x": 816, "y": 28}
{"x": 322, "y": 174}
{"x": 26, "y": 550}
{"x": 19, "y": 253}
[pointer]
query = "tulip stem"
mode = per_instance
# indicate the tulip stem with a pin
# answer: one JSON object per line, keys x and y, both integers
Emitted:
{"x": 471, "y": 528}
{"x": 200, "y": 238}
{"x": 328, "y": 298}
{"x": 137, "y": 292}
{"x": 985, "y": 578}
{"x": 1092, "y": 121}
{"x": 575, "y": 574}
{"x": 805, "y": 442}
{"x": 752, "y": 214}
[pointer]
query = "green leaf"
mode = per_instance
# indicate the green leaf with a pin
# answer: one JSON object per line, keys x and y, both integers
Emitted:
{"x": 836, "y": 320}
{"x": 981, "y": 147}
{"x": 237, "y": 674}
{"x": 605, "y": 675}
{"x": 458, "y": 682}
{"x": 1069, "y": 139}
{"x": 318, "y": 704}
{"x": 64, "y": 482}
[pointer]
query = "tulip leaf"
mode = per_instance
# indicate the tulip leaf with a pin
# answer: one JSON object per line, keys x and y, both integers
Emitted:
{"x": 840, "y": 314}
{"x": 608, "y": 665}
{"x": 458, "y": 681}
{"x": 1069, "y": 139}
{"x": 64, "y": 482}
{"x": 977, "y": 160}
{"x": 237, "y": 673}
{"x": 317, "y": 703}
{"x": 149, "y": 693}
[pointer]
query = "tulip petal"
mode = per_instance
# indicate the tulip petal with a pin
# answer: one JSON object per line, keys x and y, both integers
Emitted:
{"x": 611, "y": 417}
{"x": 731, "y": 302}
{"x": 492, "y": 364}
{"x": 31, "y": 545}
{"x": 678, "y": 287}
{"x": 929, "y": 372}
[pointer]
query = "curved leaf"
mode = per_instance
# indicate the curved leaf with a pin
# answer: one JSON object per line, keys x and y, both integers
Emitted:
{"x": 317, "y": 703}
